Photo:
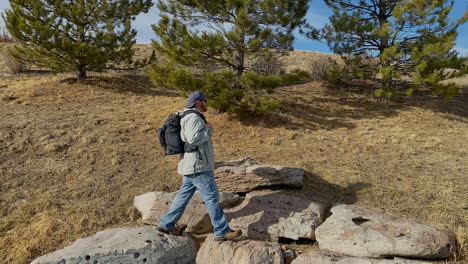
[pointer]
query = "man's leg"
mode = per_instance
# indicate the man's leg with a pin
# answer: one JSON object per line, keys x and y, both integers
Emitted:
{"x": 205, "y": 183}
{"x": 179, "y": 204}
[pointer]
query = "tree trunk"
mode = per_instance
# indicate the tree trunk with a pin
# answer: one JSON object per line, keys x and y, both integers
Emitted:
{"x": 81, "y": 73}
{"x": 240, "y": 57}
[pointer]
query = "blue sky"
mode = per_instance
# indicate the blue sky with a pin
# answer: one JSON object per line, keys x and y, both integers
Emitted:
{"x": 318, "y": 16}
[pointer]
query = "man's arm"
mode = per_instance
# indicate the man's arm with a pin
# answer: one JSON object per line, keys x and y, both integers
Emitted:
{"x": 196, "y": 132}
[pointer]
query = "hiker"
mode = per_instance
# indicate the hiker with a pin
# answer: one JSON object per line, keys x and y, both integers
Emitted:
{"x": 196, "y": 165}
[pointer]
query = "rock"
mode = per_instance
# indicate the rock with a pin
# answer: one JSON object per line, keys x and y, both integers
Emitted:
{"x": 154, "y": 205}
{"x": 239, "y": 252}
{"x": 361, "y": 232}
{"x": 270, "y": 215}
{"x": 126, "y": 245}
{"x": 6, "y": 75}
{"x": 320, "y": 257}
{"x": 245, "y": 174}
{"x": 288, "y": 256}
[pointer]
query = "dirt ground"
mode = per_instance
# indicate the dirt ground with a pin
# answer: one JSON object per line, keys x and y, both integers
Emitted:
{"x": 73, "y": 155}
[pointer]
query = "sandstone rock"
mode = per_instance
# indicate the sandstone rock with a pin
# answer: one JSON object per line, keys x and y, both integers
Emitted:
{"x": 361, "y": 232}
{"x": 239, "y": 252}
{"x": 245, "y": 175}
{"x": 320, "y": 257}
{"x": 270, "y": 215}
{"x": 154, "y": 205}
{"x": 126, "y": 245}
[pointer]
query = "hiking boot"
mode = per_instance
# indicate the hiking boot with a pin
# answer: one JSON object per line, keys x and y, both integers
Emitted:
{"x": 229, "y": 236}
{"x": 178, "y": 231}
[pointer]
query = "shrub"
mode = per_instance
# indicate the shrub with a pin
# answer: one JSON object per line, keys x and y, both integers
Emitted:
{"x": 319, "y": 70}
{"x": 355, "y": 67}
{"x": 252, "y": 81}
{"x": 220, "y": 88}
{"x": 260, "y": 104}
{"x": 267, "y": 64}
{"x": 295, "y": 76}
{"x": 338, "y": 75}
{"x": 169, "y": 76}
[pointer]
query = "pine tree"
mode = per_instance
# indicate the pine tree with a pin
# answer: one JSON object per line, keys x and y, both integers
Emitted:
{"x": 224, "y": 33}
{"x": 413, "y": 38}
{"x": 79, "y": 35}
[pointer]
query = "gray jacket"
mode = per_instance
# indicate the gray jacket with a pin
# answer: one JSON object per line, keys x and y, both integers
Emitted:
{"x": 196, "y": 132}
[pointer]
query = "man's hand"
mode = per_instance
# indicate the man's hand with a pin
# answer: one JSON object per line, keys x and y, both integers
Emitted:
{"x": 210, "y": 126}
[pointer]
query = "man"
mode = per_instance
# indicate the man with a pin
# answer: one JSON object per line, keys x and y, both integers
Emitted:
{"x": 197, "y": 165}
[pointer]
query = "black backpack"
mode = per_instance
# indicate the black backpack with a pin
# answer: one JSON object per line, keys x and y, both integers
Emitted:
{"x": 169, "y": 134}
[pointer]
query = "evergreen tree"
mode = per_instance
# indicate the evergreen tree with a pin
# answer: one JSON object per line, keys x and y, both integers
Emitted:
{"x": 225, "y": 33}
{"x": 412, "y": 38}
{"x": 79, "y": 35}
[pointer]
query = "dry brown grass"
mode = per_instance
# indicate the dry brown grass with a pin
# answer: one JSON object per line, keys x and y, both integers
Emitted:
{"x": 463, "y": 81}
{"x": 14, "y": 66}
{"x": 306, "y": 60}
{"x": 3, "y": 67}
{"x": 73, "y": 155}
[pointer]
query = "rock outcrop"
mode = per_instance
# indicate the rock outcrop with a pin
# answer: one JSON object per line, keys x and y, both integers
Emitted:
{"x": 245, "y": 174}
{"x": 359, "y": 235}
{"x": 361, "y": 232}
{"x": 126, "y": 245}
{"x": 320, "y": 257}
{"x": 154, "y": 205}
{"x": 241, "y": 251}
{"x": 270, "y": 215}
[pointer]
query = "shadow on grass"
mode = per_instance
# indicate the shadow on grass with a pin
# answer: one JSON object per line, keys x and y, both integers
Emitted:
{"x": 311, "y": 107}
{"x": 421, "y": 98}
{"x": 457, "y": 106}
{"x": 125, "y": 83}
{"x": 314, "y": 106}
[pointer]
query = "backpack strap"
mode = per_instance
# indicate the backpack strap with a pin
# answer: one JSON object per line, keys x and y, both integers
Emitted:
{"x": 194, "y": 111}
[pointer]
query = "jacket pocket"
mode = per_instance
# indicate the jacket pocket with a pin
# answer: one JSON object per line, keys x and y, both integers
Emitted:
{"x": 202, "y": 156}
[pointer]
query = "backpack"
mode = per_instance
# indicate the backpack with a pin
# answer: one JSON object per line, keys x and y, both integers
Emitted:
{"x": 169, "y": 134}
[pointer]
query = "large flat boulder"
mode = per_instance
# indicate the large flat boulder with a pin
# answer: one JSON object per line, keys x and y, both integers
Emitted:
{"x": 245, "y": 174}
{"x": 154, "y": 205}
{"x": 361, "y": 232}
{"x": 126, "y": 245}
{"x": 241, "y": 251}
{"x": 320, "y": 257}
{"x": 269, "y": 215}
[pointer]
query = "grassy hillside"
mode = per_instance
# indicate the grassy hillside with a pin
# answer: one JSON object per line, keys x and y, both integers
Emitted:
{"x": 73, "y": 155}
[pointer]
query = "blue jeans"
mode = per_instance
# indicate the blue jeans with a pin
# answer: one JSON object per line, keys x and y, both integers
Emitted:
{"x": 205, "y": 183}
